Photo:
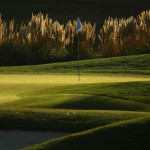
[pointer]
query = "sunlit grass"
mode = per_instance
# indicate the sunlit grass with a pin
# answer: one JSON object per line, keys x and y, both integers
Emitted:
{"x": 97, "y": 96}
{"x": 65, "y": 79}
{"x": 38, "y": 99}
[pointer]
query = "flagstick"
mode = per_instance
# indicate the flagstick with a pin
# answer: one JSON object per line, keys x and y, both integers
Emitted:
{"x": 78, "y": 59}
{"x": 79, "y": 27}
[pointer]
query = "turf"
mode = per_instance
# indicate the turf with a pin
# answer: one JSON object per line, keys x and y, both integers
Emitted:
{"x": 60, "y": 119}
{"x": 33, "y": 101}
{"x": 135, "y": 64}
{"x": 67, "y": 79}
{"x": 108, "y": 96}
{"x": 102, "y": 105}
{"x": 132, "y": 134}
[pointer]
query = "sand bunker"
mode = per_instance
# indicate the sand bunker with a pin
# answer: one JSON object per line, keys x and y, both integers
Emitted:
{"x": 16, "y": 139}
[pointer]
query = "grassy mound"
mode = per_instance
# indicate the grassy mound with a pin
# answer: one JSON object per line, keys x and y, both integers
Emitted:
{"x": 109, "y": 96}
{"x": 60, "y": 119}
{"x": 131, "y": 135}
{"x": 103, "y": 108}
{"x": 125, "y": 64}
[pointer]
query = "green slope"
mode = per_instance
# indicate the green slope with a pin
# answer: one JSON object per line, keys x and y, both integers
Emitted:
{"x": 137, "y": 64}
{"x": 61, "y": 120}
{"x": 126, "y": 135}
{"x": 110, "y": 96}
{"x": 31, "y": 102}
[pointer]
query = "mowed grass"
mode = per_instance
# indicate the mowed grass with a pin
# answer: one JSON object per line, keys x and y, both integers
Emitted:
{"x": 61, "y": 120}
{"x": 67, "y": 79}
{"x": 37, "y": 102}
{"x": 35, "y": 99}
{"x": 72, "y": 108}
{"x": 135, "y": 64}
{"x": 132, "y": 96}
{"x": 126, "y": 135}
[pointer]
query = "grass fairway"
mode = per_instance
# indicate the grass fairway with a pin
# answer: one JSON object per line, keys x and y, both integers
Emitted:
{"x": 114, "y": 103}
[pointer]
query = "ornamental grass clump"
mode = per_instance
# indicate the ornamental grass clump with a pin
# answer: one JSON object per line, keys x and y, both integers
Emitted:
{"x": 125, "y": 36}
{"x": 3, "y": 31}
{"x": 43, "y": 40}
{"x": 44, "y": 30}
{"x": 86, "y": 37}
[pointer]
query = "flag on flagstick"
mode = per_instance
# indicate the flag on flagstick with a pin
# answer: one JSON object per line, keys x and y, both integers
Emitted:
{"x": 79, "y": 25}
{"x": 79, "y": 28}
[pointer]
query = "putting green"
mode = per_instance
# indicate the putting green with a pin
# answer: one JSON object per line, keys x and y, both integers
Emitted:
{"x": 66, "y": 79}
{"x": 11, "y": 85}
{"x": 9, "y": 92}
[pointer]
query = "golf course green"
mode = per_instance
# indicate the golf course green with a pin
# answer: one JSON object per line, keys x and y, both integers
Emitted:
{"x": 108, "y": 109}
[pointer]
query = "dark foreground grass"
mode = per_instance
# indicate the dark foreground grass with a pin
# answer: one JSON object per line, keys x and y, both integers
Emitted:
{"x": 127, "y": 135}
{"x": 61, "y": 120}
{"x": 136, "y": 64}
